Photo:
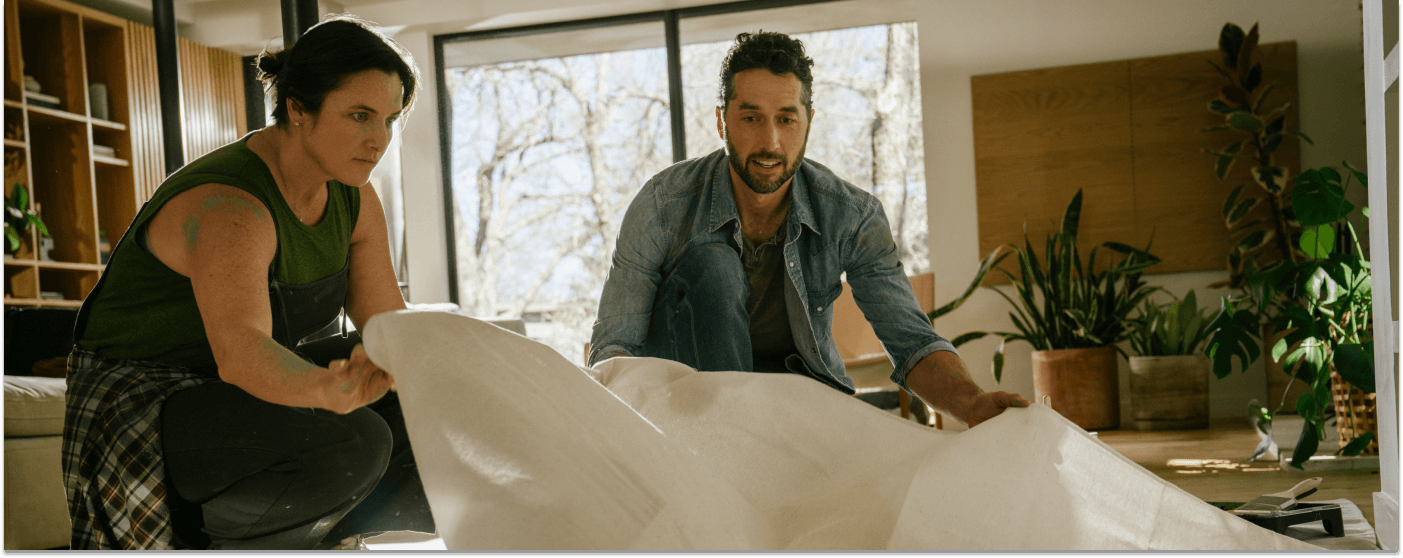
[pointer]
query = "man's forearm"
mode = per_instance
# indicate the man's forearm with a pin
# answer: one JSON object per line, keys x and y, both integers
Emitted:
{"x": 941, "y": 380}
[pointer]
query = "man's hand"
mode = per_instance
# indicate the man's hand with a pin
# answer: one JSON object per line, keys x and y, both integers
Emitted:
{"x": 358, "y": 381}
{"x": 942, "y": 381}
{"x": 990, "y": 405}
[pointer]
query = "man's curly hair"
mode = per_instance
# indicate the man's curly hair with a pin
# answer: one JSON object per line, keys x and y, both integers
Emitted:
{"x": 776, "y": 52}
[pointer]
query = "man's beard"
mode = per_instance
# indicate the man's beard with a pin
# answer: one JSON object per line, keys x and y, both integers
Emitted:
{"x": 742, "y": 167}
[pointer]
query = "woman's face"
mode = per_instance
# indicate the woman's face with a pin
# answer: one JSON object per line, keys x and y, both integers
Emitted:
{"x": 355, "y": 125}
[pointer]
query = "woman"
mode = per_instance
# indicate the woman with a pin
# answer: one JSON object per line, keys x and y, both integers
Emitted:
{"x": 196, "y": 415}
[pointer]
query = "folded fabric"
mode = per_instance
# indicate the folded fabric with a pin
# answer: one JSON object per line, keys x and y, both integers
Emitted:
{"x": 521, "y": 450}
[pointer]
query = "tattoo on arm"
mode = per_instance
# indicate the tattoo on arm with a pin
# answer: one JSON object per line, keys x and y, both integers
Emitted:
{"x": 192, "y": 232}
{"x": 289, "y": 364}
{"x": 191, "y": 228}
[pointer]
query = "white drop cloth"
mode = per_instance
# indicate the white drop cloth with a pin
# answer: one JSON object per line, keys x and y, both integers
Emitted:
{"x": 520, "y": 449}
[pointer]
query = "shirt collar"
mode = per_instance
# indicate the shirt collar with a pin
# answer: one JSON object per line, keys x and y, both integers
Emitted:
{"x": 723, "y": 204}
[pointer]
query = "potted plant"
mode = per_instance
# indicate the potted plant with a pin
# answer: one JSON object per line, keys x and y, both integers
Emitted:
{"x": 1258, "y": 213}
{"x": 1169, "y": 376}
{"x": 1301, "y": 283}
{"x": 18, "y": 219}
{"x": 1073, "y": 316}
{"x": 1325, "y": 319}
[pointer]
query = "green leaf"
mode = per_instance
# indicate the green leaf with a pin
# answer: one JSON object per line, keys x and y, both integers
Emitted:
{"x": 1253, "y": 77}
{"x": 1072, "y": 217}
{"x": 20, "y": 198}
{"x": 1255, "y": 240}
{"x": 1218, "y": 106}
{"x": 1244, "y": 121}
{"x": 1245, "y": 55}
{"x": 1233, "y": 95}
{"x": 1302, "y": 136}
{"x": 12, "y": 236}
{"x": 1232, "y": 333}
{"x": 1318, "y": 198}
{"x": 990, "y": 261}
{"x": 1226, "y": 158}
{"x": 1306, "y": 446}
{"x": 1241, "y": 211}
{"x": 967, "y": 337}
{"x": 1363, "y": 180}
{"x": 1232, "y": 201}
{"x": 1278, "y": 349}
{"x": 1355, "y": 363}
{"x": 1270, "y": 144}
{"x": 1357, "y": 445}
{"x": 999, "y": 362}
{"x": 1270, "y": 177}
{"x": 1229, "y": 43}
{"x": 1318, "y": 242}
{"x": 1275, "y": 125}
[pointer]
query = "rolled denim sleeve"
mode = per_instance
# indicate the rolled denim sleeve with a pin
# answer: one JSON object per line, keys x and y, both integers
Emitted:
{"x": 626, "y": 305}
{"x": 884, "y": 295}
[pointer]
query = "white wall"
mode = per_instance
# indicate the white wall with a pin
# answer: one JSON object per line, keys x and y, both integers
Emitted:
{"x": 962, "y": 39}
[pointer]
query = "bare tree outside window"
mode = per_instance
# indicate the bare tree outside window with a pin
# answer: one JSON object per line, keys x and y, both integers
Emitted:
{"x": 548, "y": 153}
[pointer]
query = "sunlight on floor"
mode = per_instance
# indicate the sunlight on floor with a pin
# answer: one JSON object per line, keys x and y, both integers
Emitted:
{"x": 1197, "y": 466}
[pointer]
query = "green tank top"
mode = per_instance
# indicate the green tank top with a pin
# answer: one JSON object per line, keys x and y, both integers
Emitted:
{"x": 141, "y": 308}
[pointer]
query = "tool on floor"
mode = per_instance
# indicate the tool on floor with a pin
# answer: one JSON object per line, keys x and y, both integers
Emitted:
{"x": 1268, "y": 504}
{"x": 1330, "y": 516}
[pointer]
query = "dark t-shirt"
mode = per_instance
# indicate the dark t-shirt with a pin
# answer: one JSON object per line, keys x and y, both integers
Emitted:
{"x": 771, "y": 339}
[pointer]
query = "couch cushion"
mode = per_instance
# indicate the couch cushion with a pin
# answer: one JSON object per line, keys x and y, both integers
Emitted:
{"x": 34, "y": 406}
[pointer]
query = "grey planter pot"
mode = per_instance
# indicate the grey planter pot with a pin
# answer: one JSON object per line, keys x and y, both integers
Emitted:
{"x": 1169, "y": 392}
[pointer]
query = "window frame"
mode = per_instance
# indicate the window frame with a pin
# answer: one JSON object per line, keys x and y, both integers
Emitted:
{"x": 669, "y": 19}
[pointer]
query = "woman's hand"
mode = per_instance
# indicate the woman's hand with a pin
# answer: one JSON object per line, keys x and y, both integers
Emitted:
{"x": 357, "y": 382}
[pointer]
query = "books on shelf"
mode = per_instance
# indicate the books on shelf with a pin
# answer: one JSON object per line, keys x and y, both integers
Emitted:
{"x": 104, "y": 151}
{"x": 42, "y": 100}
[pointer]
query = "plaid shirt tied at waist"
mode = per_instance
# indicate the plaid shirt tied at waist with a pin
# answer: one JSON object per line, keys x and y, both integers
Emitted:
{"x": 113, "y": 473}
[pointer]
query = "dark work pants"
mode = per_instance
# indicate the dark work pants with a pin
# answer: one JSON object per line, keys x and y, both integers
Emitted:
{"x": 244, "y": 473}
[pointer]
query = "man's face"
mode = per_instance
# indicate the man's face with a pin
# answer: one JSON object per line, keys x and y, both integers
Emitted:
{"x": 766, "y": 128}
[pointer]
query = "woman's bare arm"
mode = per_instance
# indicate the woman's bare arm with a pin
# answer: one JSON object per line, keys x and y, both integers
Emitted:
{"x": 374, "y": 288}
{"x": 223, "y": 239}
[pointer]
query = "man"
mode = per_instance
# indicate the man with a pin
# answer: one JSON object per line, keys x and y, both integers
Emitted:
{"x": 732, "y": 261}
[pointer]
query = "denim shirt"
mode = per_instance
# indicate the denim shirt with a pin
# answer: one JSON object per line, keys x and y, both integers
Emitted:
{"x": 833, "y": 227}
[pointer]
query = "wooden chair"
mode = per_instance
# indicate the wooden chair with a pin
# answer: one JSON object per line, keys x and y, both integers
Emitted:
{"x": 862, "y": 352}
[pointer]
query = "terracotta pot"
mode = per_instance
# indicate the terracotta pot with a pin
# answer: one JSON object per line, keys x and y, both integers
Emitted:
{"x": 1081, "y": 384}
{"x": 1169, "y": 392}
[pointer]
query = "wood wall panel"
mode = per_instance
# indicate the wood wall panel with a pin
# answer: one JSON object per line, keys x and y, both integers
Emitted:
{"x": 148, "y": 159}
{"x": 211, "y": 92}
{"x": 1129, "y": 134}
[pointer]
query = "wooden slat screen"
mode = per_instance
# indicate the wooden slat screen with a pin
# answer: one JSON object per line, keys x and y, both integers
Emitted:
{"x": 148, "y": 160}
{"x": 212, "y": 103}
{"x": 1129, "y": 134}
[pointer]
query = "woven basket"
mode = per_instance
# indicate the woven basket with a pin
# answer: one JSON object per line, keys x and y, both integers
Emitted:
{"x": 1355, "y": 412}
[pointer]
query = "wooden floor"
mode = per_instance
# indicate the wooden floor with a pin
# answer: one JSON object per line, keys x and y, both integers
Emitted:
{"x": 1212, "y": 464}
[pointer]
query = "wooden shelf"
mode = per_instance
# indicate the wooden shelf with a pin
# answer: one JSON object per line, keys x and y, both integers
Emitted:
{"x": 55, "y": 115}
{"x": 41, "y": 264}
{"x": 13, "y": 104}
{"x": 118, "y": 126}
{"x": 103, "y": 159}
{"x": 15, "y": 144}
{"x": 41, "y": 302}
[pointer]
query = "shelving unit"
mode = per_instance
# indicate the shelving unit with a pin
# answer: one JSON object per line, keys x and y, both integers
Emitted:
{"x": 77, "y": 192}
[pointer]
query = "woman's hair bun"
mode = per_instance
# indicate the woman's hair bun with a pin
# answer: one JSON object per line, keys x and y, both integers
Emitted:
{"x": 270, "y": 63}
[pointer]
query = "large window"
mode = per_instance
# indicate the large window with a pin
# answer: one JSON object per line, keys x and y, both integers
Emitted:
{"x": 552, "y": 134}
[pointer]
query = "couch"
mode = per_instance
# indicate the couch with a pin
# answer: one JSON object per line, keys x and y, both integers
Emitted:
{"x": 36, "y": 509}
